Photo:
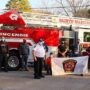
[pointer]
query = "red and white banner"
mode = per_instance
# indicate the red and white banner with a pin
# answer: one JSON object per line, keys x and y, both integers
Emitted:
{"x": 75, "y": 65}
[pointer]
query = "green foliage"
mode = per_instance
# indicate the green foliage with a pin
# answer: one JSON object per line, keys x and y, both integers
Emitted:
{"x": 86, "y": 36}
{"x": 20, "y": 5}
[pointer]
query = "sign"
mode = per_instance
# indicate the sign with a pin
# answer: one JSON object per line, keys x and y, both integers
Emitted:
{"x": 13, "y": 17}
{"x": 75, "y": 65}
{"x": 69, "y": 65}
{"x": 76, "y": 22}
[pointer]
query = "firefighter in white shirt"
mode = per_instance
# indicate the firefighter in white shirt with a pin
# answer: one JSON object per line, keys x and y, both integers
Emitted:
{"x": 39, "y": 56}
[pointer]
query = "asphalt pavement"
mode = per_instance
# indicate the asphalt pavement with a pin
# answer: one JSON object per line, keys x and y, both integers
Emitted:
{"x": 23, "y": 80}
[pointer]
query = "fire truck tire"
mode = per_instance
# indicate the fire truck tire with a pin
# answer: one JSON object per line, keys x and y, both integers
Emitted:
{"x": 13, "y": 63}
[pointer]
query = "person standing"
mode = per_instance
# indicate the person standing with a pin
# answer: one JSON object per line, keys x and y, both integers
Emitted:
{"x": 74, "y": 53}
{"x": 79, "y": 47}
{"x": 62, "y": 50}
{"x": 4, "y": 53}
{"x": 48, "y": 64}
{"x": 39, "y": 56}
{"x": 24, "y": 52}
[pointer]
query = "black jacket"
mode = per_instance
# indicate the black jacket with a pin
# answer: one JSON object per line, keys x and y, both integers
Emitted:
{"x": 24, "y": 49}
{"x": 3, "y": 48}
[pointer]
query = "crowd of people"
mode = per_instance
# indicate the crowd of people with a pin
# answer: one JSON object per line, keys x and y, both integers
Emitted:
{"x": 73, "y": 51}
{"x": 39, "y": 54}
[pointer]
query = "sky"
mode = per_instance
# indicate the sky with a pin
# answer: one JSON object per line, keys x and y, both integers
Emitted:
{"x": 34, "y": 3}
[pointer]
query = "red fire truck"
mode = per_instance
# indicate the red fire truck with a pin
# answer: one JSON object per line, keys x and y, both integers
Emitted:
{"x": 14, "y": 30}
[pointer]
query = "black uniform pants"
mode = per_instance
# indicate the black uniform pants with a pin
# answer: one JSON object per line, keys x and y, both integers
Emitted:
{"x": 38, "y": 65}
{"x": 3, "y": 60}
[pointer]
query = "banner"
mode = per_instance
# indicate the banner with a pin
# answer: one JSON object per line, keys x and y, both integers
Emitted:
{"x": 75, "y": 65}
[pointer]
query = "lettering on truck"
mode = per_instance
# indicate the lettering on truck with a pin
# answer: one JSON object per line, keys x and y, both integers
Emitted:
{"x": 13, "y": 34}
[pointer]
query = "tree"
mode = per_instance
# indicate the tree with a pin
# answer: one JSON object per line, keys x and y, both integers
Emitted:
{"x": 20, "y": 5}
{"x": 88, "y": 13}
{"x": 68, "y": 7}
{"x": 82, "y": 13}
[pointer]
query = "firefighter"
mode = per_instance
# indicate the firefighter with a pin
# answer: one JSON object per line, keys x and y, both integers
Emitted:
{"x": 24, "y": 52}
{"x": 4, "y": 53}
{"x": 62, "y": 49}
{"x": 39, "y": 56}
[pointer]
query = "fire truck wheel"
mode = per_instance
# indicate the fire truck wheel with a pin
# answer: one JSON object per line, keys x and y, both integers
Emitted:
{"x": 13, "y": 63}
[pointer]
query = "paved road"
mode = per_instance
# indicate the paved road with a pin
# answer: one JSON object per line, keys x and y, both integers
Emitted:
{"x": 23, "y": 80}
